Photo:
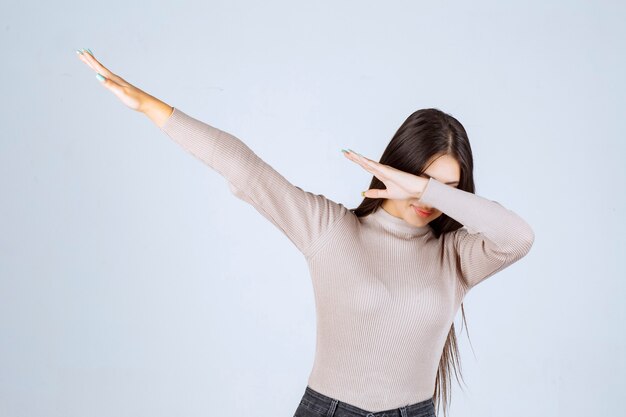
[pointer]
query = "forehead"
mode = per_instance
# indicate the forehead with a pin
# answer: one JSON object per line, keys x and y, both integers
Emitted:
{"x": 445, "y": 169}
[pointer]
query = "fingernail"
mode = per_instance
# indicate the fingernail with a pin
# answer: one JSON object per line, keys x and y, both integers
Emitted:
{"x": 90, "y": 51}
{"x": 344, "y": 151}
{"x": 100, "y": 77}
{"x": 79, "y": 52}
{"x": 354, "y": 152}
{"x": 362, "y": 193}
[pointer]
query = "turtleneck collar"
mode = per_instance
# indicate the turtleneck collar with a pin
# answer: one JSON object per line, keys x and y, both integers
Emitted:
{"x": 396, "y": 224}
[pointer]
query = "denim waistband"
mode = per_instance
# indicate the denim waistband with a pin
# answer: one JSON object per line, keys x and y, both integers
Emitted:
{"x": 325, "y": 406}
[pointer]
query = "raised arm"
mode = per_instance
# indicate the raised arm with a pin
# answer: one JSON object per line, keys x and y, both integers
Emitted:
{"x": 305, "y": 218}
{"x": 302, "y": 216}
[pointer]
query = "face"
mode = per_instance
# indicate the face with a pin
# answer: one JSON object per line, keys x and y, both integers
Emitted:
{"x": 443, "y": 168}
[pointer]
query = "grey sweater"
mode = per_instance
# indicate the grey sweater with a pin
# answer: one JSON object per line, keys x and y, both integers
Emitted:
{"x": 386, "y": 292}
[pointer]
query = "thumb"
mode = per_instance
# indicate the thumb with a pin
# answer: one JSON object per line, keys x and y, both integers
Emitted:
{"x": 114, "y": 87}
{"x": 109, "y": 84}
{"x": 374, "y": 193}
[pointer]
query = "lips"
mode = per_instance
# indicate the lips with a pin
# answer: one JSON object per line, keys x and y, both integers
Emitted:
{"x": 421, "y": 212}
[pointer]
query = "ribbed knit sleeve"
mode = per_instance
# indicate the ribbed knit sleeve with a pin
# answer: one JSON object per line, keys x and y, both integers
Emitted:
{"x": 493, "y": 238}
{"x": 304, "y": 217}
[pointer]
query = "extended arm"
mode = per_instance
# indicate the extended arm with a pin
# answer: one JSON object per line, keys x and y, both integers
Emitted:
{"x": 303, "y": 217}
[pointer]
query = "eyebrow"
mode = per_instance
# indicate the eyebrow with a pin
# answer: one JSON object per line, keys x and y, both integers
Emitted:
{"x": 449, "y": 183}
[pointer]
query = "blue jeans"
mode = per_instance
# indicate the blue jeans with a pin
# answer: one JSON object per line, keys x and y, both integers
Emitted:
{"x": 315, "y": 404}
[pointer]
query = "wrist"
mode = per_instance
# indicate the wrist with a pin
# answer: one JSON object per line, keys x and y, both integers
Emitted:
{"x": 155, "y": 109}
{"x": 420, "y": 186}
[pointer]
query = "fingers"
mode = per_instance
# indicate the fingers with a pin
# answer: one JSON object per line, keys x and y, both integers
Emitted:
{"x": 111, "y": 85}
{"x": 373, "y": 167}
{"x": 95, "y": 64}
{"x": 87, "y": 57}
{"x": 359, "y": 159}
{"x": 82, "y": 57}
{"x": 376, "y": 193}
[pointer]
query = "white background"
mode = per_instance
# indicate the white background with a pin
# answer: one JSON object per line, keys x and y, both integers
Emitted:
{"x": 133, "y": 283}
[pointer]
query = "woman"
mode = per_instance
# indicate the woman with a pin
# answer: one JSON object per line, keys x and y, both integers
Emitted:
{"x": 388, "y": 276}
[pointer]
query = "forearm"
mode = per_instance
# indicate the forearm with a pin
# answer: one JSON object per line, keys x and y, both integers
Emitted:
{"x": 156, "y": 110}
{"x": 419, "y": 186}
{"x": 501, "y": 225}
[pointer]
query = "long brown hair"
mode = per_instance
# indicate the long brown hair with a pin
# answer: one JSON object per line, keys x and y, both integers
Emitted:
{"x": 425, "y": 135}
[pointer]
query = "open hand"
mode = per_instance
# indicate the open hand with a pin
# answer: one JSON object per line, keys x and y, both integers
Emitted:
{"x": 128, "y": 94}
{"x": 400, "y": 185}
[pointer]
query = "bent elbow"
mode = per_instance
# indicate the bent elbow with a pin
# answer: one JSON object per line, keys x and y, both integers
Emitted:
{"x": 526, "y": 239}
